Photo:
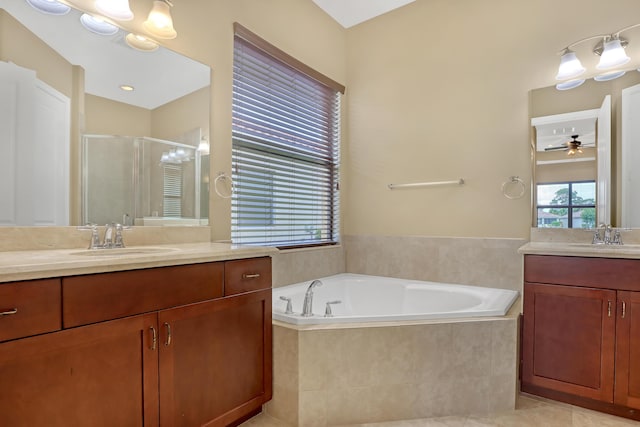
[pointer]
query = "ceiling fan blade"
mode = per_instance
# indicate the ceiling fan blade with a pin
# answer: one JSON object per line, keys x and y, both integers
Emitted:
{"x": 556, "y": 148}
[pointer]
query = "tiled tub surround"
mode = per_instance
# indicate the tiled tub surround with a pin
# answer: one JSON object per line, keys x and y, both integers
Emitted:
{"x": 492, "y": 262}
{"x": 363, "y": 373}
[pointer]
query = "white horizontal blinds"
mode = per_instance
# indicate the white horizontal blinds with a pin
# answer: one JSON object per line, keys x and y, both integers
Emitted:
{"x": 285, "y": 153}
{"x": 172, "y": 191}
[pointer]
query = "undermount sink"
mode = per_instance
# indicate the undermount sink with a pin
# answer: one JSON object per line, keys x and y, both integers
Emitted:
{"x": 123, "y": 251}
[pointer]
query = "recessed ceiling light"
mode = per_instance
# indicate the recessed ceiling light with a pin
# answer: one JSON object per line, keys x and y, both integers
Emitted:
{"x": 127, "y": 88}
{"x": 97, "y": 25}
{"x": 140, "y": 42}
{"x": 52, "y": 7}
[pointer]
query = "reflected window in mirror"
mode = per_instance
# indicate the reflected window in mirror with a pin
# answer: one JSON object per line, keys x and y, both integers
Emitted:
{"x": 566, "y": 204}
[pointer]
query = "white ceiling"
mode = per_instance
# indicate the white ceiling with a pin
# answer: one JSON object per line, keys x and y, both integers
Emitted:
{"x": 352, "y": 12}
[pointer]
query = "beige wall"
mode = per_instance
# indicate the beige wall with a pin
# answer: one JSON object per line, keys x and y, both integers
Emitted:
{"x": 439, "y": 90}
{"x": 107, "y": 117}
{"x": 182, "y": 115}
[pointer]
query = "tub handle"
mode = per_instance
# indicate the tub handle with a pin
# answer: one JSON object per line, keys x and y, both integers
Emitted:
{"x": 327, "y": 311}
{"x": 289, "y": 309}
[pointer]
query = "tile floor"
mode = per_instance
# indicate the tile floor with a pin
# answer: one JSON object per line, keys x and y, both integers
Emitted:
{"x": 530, "y": 412}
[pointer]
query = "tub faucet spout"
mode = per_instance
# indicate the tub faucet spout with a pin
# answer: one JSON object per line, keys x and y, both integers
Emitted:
{"x": 307, "y": 308}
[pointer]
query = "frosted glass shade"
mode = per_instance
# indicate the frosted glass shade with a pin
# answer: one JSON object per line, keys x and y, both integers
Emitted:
{"x": 613, "y": 55}
{"x": 159, "y": 22}
{"x": 115, "y": 9}
{"x": 97, "y": 25}
{"x": 570, "y": 66}
{"x": 571, "y": 84}
{"x": 141, "y": 43}
{"x": 52, "y": 7}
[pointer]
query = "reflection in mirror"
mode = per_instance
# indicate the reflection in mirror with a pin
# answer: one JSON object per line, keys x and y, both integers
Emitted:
{"x": 569, "y": 107}
{"x": 169, "y": 109}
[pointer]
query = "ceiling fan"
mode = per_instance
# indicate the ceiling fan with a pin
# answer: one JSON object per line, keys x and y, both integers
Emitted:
{"x": 571, "y": 147}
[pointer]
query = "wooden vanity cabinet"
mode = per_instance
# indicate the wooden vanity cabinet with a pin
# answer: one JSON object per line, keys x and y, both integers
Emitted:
{"x": 581, "y": 332}
{"x": 101, "y": 375}
{"x": 165, "y": 360}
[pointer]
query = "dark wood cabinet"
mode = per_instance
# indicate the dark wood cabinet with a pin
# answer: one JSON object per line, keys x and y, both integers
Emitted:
{"x": 627, "y": 390}
{"x": 186, "y": 355}
{"x": 230, "y": 339}
{"x": 98, "y": 375}
{"x": 581, "y": 332}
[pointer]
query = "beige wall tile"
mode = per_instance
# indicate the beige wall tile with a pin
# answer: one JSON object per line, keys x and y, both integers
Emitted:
{"x": 296, "y": 266}
{"x": 492, "y": 262}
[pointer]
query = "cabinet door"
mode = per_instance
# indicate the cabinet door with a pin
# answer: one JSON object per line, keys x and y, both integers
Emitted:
{"x": 215, "y": 360}
{"x": 569, "y": 339}
{"x": 628, "y": 350}
{"x": 99, "y": 375}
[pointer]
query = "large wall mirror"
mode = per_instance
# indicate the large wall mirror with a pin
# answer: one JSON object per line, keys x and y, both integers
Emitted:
{"x": 581, "y": 156}
{"x": 95, "y": 130}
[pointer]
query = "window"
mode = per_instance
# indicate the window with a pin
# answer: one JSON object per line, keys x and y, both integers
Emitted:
{"x": 172, "y": 191}
{"x": 285, "y": 155}
{"x": 567, "y": 204}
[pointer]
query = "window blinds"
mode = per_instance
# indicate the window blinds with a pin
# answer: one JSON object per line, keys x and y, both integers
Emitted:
{"x": 285, "y": 156}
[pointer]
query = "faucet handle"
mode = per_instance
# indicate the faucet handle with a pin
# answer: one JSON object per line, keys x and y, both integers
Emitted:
{"x": 617, "y": 238}
{"x": 327, "y": 311}
{"x": 289, "y": 309}
{"x": 118, "y": 240}
{"x": 94, "y": 243}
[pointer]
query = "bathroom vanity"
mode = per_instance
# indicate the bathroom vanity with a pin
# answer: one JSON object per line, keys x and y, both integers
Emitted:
{"x": 179, "y": 339}
{"x": 581, "y": 328}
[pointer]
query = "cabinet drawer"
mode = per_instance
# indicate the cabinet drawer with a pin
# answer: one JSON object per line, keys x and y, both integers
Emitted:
{"x": 98, "y": 297}
{"x": 245, "y": 275}
{"x": 604, "y": 273}
{"x": 37, "y": 308}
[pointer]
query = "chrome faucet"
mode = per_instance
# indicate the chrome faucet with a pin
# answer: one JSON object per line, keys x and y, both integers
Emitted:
{"x": 609, "y": 235}
{"x": 307, "y": 307}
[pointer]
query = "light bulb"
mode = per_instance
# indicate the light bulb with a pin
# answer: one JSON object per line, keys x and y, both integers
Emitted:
{"x": 613, "y": 55}
{"x": 159, "y": 22}
{"x": 115, "y": 9}
{"x": 570, "y": 66}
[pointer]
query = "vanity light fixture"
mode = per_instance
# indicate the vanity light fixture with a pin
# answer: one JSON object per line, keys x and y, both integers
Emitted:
{"x": 610, "y": 48}
{"x": 51, "y": 7}
{"x": 97, "y": 25}
{"x": 115, "y": 9}
{"x": 612, "y": 55}
{"x": 204, "y": 147}
{"x": 141, "y": 43}
{"x": 570, "y": 66}
{"x": 159, "y": 22}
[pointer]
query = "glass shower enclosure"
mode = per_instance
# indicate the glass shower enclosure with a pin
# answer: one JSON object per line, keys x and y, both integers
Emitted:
{"x": 143, "y": 181}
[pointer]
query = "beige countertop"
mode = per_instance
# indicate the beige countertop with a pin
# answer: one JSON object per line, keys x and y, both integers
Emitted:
{"x": 37, "y": 264}
{"x": 581, "y": 249}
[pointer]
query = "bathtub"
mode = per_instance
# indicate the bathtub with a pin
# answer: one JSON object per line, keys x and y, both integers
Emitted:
{"x": 377, "y": 299}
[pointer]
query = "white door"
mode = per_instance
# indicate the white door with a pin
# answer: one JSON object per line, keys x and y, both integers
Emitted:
{"x": 34, "y": 139}
{"x": 630, "y": 157}
{"x": 603, "y": 198}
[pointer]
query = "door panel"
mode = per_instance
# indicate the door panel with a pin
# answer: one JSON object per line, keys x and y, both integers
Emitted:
{"x": 628, "y": 350}
{"x": 569, "y": 338}
{"x": 229, "y": 341}
{"x": 100, "y": 375}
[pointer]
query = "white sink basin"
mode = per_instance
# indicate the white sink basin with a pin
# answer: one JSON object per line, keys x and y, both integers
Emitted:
{"x": 123, "y": 251}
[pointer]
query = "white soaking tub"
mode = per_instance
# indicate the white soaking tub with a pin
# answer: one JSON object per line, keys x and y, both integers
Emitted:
{"x": 366, "y": 298}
